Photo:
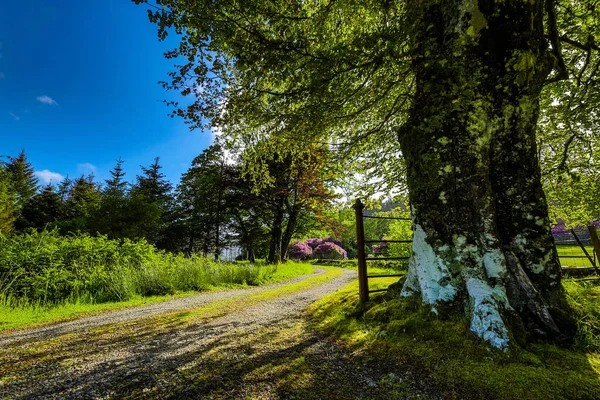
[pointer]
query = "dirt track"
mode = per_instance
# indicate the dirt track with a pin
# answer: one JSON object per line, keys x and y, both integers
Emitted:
{"x": 262, "y": 351}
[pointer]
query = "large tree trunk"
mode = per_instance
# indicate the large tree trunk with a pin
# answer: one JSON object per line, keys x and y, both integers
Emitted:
{"x": 482, "y": 239}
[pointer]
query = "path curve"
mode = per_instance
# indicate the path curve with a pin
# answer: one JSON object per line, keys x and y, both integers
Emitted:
{"x": 264, "y": 351}
{"x": 129, "y": 314}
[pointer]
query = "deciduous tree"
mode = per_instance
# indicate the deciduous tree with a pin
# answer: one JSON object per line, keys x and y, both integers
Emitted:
{"x": 459, "y": 83}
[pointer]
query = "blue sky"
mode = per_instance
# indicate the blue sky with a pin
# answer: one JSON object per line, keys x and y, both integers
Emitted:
{"x": 79, "y": 89}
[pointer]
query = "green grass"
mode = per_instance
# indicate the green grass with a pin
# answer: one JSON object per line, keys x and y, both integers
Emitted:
{"x": 20, "y": 314}
{"x": 447, "y": 357}
{"x": 574, "y": 251}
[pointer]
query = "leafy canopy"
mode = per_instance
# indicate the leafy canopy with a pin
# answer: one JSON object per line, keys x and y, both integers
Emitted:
{"x": 339, "y": 73}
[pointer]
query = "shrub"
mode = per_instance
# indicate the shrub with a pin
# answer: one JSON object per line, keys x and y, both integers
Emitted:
{"x": 300, "y": 251}
{"x": 380, "y": 248}
{"x": 314, "y": 243}
{"x": 329, "y": 251}
{"x": 47, "y": 268}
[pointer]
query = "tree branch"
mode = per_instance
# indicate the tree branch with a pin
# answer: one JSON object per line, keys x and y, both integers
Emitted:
{"x": 559, "y": 62}
{"x": 587, "y": 47}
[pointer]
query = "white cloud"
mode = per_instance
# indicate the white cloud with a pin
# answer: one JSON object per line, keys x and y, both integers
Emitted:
{"x": 86, "y": 168}
{"x": 48, "y": 176}
{"x": 47, "y": 100}
{"x": 15, "y": 116}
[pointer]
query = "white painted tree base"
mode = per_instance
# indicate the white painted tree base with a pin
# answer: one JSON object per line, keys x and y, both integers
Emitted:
{"x": 429, "y": 274}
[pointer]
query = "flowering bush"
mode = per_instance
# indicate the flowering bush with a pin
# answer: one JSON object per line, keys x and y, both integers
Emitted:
{"x": 331, "y": 240}
{"x": 559, "y": 228}
{"x": 314, "y": 243}
{"x": 380, "y": 248}
{"x": 329, "y": 251}
{"x": 300, "y": 251}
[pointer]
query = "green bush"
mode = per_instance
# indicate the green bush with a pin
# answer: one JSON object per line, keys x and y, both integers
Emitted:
{"x": 47, "y": 268}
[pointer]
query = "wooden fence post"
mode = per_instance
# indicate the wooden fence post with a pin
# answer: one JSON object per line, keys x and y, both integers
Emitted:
{"x": 363, "y": 284}
{"x": 596, "y": 243}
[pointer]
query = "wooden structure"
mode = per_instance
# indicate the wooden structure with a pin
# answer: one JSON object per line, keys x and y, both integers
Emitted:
{"x": 363, "y": 276}
{"x": 594, "y": 258}
{"x": 596, "y": 244}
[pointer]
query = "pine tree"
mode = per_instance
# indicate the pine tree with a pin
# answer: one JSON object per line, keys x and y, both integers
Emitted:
{"x": 41, "y": 210}
{"x": 116, "y": 185}
{"x": 114, "y": 215}
{"x": 152, "y": 184}
{"x": 23, "y": 179}
{"x": 150, "y": 202}
{"x": 200, "y": 196}
{"x": 81, "y": 205}
{"x": 64, "y": 187}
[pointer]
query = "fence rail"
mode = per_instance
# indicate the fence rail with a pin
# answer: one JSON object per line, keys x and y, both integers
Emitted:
{"x": 378, "y": 217}
{"x": 590, "y": 236}
{"x": 363, "y": 276}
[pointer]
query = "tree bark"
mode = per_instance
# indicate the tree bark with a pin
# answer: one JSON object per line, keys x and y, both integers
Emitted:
{"x": 293, "y": 212}
{"x": 276, "y": 232}
{"x": 251, "y": 256}
{"x": 482, "y": 239}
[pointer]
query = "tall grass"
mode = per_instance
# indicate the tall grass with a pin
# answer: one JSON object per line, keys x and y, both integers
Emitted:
{"x": 46, "y": 268}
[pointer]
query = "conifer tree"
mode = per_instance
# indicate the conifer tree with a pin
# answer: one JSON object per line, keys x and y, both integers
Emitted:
{"x": 41, "y": 210}
{"x": 23, "y": 179}
{"x": 82, "y": 203}
{"x": 64, "y": 187}
{"x": 150, "y": 202}
{"x": 116, "y": 185}
{"x": 112, "y": 216}
{"x": 152, "y": 183}
{"x": 201, "y": 198}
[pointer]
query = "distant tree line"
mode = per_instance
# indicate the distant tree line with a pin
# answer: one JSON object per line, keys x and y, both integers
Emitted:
{"x": 216, "y": 204}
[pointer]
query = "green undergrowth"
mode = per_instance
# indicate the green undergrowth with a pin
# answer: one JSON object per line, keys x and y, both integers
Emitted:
{"x": 403, "y": 335}
{"x": 15, "y": 314}
{"x": 41, "y": 268}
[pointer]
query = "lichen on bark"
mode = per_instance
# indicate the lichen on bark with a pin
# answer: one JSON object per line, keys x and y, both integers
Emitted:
{"x": 473, "y": 172}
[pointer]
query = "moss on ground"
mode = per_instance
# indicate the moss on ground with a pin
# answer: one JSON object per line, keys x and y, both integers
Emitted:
{"x": 406, "y": 336}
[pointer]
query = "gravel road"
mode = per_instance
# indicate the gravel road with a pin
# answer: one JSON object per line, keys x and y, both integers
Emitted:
{"x": 264, "y": 351}
{"x": 133, "y": 313}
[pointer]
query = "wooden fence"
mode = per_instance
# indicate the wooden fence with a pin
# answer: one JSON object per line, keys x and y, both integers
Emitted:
{"x": 363, "y": 275}
{"x": 594, "y": 258}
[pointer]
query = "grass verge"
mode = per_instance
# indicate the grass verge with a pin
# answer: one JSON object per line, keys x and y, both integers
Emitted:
{"x": 403, "y": 335}
{"x": 14, "y": 315}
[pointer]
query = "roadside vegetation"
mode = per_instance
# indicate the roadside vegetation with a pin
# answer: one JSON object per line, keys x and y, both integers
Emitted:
{"x": 404, "y": 335}
{"x": 45, "y": 276}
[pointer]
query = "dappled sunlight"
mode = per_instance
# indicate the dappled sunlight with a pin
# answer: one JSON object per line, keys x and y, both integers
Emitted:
{"x": 448, "y": 356}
